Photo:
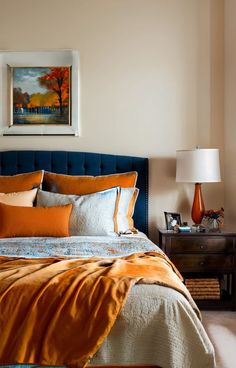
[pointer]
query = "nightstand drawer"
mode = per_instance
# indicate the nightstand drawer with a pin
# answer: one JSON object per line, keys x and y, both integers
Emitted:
{"x": 209, "y": 255}
{"x": 202, "y": 244}
{"x": 203, "y": 263}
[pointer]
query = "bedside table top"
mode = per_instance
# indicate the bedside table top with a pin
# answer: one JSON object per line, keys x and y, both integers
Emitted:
{"x": 211, "y": 233}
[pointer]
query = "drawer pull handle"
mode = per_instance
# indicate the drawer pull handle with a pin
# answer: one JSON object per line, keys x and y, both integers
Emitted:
{"x": 202, "y": 247}
{"x": 202, "y": 263}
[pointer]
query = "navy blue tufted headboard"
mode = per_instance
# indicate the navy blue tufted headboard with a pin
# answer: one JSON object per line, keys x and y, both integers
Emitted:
{"x": 82, "y": 163}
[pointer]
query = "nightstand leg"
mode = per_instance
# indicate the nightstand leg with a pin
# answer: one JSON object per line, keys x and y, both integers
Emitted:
{"x": 234, "y": 291}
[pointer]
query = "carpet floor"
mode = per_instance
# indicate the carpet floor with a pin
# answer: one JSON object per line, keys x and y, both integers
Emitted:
{"x": 221, "y": 329}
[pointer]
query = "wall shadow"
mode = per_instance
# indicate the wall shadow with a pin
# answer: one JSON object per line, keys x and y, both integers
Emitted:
{"x": 165, "y": 194}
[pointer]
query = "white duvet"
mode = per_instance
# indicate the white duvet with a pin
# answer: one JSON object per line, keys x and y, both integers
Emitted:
{"x": 157, "y": 325}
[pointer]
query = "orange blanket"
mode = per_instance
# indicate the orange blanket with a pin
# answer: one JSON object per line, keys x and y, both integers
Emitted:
{"x": 58, "y": 311}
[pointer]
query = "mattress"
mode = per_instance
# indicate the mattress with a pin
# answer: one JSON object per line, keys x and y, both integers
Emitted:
{"x": 157, "y": 325}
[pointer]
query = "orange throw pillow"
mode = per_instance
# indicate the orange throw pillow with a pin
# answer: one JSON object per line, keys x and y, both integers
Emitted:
{"x": 80, "y": 185}
{"x": 18, "y": 221}
{"x": 21, "y": 182}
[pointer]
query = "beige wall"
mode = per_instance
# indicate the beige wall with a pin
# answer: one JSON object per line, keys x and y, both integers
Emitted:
{"x": 211, "y": 123}
{"x": 230, "y": 111}
{"x": 149, "y": 84}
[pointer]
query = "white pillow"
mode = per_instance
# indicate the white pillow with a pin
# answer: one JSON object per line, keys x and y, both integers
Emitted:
{"x": 126, "y": 205}
{"x": 92, "y": 214}
{"x": 25, "y": 198}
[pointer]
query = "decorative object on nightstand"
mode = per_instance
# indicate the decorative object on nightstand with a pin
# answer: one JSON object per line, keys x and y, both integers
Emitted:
{"x": 184, "y": 229}
{"x": 198, "y": 166}
{"x": 207, "y": 262}
{"x": 172, "y": 219}
{"x": 214, "y": 219}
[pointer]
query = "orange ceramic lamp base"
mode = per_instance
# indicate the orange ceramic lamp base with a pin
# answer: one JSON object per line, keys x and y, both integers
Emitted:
{"x": 198, "y": 205}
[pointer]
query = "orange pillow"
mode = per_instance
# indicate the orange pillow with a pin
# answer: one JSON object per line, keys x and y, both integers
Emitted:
{"x": 18, "y": 221}
{"x": 21, "y": 182}
{"x": 80, "y": 185}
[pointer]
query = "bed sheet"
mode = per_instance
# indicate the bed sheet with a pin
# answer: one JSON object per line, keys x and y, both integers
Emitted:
{"x": 156, "y": 326}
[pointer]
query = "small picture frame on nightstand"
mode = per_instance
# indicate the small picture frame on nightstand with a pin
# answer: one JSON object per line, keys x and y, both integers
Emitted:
{"x": 172, "y": 219}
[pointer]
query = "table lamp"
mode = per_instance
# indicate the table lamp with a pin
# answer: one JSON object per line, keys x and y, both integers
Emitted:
{"x": 198, "y": 166}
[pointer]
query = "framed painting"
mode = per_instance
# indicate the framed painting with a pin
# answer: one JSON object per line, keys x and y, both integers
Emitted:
{"x": 40, "y": 95}
{"x": 172, "y": 219}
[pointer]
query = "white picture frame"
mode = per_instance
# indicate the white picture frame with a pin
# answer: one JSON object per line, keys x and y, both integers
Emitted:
{"x": 43, "y": 59}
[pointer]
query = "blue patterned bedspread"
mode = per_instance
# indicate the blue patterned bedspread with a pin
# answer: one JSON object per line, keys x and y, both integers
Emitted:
{"x": 76, "y": 246}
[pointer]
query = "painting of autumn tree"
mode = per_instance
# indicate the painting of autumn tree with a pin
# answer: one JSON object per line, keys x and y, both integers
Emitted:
{"x": 57, "y": 81}
{"x": 41, "y": 95}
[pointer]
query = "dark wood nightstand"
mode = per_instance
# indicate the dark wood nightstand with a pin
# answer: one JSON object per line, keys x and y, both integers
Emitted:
{"x": 205, "y": 255}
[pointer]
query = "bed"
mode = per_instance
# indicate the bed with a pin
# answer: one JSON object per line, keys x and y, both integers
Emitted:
{"x": 157, "y": 326}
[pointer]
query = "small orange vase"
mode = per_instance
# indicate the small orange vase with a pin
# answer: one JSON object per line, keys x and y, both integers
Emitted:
{"x": 198, "y": 208}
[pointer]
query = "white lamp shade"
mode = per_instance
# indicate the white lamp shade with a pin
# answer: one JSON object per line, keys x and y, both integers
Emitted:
{"x": 198, "y": 166}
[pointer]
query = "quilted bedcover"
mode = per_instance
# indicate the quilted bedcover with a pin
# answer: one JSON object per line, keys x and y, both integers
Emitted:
{"x": 157, "y": 325}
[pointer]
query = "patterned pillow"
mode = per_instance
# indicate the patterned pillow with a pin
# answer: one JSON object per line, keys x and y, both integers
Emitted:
{"x": 92, "y": 214}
